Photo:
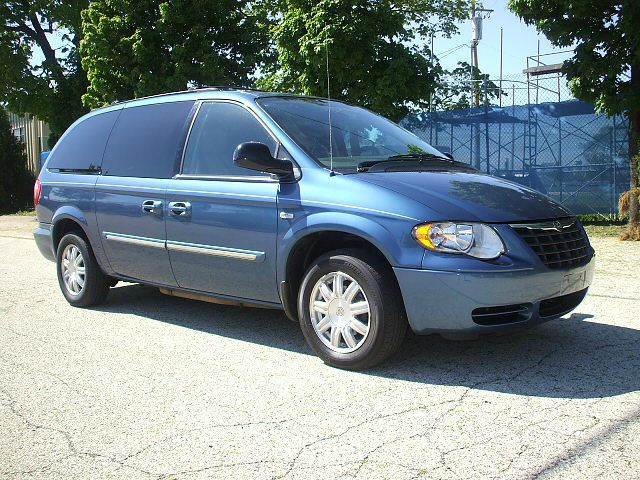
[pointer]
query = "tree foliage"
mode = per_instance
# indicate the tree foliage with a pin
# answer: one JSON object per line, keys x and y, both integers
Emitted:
{"x": 605, "y": 67}
{"x": 50, "y": 89}
{"x": 377, "y": 52}
{"x": 16, "y": 181}
{"x": 456, "y": 91}
{"x": 133, "y": 49}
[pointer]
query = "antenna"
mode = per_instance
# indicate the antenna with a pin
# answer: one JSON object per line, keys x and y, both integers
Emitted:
{"x": 326, "y": 51}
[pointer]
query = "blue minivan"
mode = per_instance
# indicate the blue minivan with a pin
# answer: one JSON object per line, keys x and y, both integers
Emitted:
{"x": 352, "y": 225}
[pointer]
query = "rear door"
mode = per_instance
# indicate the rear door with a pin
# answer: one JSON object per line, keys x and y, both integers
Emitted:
{"x": 222, "y": 219}
{"x": 72, "y": 171}
{"x": 141, "y": 156}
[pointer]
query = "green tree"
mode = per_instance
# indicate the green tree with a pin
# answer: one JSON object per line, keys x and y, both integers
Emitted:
{"x": 50, "y": 89}
{"x": 133, "y": 49}
{"x": 455, "y": 91}
{"x": 605, "y": 67}
{"x": 377, "y": 56}
{"x": 16, "y": 182}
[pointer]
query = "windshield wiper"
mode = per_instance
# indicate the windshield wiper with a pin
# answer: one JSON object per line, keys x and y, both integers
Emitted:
{"x": 416, "y": 157}
{"x": 420, "y": 156}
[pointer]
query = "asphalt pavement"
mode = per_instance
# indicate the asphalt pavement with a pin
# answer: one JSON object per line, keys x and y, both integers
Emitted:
{"x": 150, "y": 386}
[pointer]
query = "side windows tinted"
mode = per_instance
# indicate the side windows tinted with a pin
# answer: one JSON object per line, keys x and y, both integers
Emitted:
{"x": 218, "y": 129}
{"x": 82, "y": 147}
{"x": 146, "y": 141}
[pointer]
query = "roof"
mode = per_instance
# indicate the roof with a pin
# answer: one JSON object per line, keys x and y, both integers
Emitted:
{"x": 210, "y": 92}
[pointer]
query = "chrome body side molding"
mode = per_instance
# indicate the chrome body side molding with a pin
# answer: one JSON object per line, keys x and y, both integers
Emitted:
{"x": 171, "y": 245}
{"x": 215, "y": 251}
{"x": 134, "y": 240}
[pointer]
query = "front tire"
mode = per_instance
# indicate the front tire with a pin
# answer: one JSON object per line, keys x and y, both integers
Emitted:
{"x": 350, "y": 310}
{"x": 80, "y": 278}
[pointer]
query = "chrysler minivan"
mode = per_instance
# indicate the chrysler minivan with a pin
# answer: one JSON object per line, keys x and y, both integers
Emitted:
{"x": 352, "y": 225}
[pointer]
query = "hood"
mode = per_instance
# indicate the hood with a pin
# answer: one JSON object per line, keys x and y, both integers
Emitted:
{"x": 469, "y": 196}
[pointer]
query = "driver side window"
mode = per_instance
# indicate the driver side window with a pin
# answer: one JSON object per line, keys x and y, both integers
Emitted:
{"x": 217, "y": 130}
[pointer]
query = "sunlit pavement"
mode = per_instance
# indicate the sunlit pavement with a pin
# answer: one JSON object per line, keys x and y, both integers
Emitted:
{"x": 154, "y": 386}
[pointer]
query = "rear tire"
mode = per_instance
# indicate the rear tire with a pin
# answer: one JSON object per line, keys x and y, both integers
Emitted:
{"x": 81, "y": 280}
{"x": 350, "y": 310}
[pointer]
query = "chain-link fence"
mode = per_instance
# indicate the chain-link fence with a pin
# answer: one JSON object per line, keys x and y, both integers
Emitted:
{"x": 531, "y": 131}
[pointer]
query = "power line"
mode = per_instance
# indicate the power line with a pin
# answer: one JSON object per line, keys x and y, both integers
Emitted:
{"x": 451, "y": 50}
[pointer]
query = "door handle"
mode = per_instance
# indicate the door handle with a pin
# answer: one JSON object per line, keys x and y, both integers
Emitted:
{"x": 180, "y": 209}
{"x": 152, "y": 206}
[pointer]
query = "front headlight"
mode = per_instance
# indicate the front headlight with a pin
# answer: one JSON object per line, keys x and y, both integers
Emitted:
{"x": 475, "y": 239}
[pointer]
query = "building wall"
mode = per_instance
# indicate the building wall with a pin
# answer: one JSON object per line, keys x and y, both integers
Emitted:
{"x": 34, "y": 134}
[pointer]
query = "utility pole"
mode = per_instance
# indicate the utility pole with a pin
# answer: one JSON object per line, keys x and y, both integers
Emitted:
{"x": 476, "y": 36}
{"x": 477, "y": 15}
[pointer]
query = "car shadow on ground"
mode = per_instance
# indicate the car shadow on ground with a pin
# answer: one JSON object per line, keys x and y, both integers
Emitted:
{"x": 573, "y": 357}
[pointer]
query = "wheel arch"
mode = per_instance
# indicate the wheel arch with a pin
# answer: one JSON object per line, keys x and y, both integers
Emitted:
{"x": 65, "y": 220}
{"x": 320, "y": 234}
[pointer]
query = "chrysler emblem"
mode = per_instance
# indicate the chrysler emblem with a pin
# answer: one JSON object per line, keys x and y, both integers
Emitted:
{"x": 556, "y": 225}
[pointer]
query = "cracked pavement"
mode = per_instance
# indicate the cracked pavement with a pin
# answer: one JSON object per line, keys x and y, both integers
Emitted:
{"x": 149, "y": 386}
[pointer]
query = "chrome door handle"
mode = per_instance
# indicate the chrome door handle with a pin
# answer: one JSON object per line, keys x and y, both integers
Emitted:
{"x": 152, "y": 206}
{"x": 180, "y": 209}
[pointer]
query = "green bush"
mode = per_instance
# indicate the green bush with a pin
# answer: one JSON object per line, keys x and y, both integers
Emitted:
{"x": 16, "y": 181}
{"x": 601, "y": 219}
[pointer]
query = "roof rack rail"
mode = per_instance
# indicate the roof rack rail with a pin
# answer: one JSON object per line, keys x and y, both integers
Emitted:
{"x": 189, "y": 89}
{"x": 225, "y": 87}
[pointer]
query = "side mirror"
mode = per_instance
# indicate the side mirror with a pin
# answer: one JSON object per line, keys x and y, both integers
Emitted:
{"x": 449, "y": 156}
{"x": 256, "y": 156}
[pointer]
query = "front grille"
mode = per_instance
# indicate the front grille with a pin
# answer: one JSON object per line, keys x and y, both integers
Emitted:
{"x": 559, "y": 243}
{"x": 557, "y": 306}
{"x": 501, "y": 315}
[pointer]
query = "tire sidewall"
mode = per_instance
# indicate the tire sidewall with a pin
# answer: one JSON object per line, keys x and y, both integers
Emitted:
{"x": 89, "y": 265}
{"x": 354, "y": 268}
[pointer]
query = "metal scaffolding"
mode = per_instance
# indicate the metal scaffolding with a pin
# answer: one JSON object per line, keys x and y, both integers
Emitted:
{"x": 530, "y": 130}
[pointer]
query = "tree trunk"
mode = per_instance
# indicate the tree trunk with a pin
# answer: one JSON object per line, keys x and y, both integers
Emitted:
{"x": 634, "y": 139}
{"x": 634, "y": 147}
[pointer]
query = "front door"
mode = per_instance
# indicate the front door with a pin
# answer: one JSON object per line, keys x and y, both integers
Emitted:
{"x": 222, "y": 219}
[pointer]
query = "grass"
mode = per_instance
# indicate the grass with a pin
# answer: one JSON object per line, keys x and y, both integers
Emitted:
{"x": 601, "y": 219}
{"x": 607, "y": 225}
{"x": 610, "y": 230}
{"x": 25, "y": 213}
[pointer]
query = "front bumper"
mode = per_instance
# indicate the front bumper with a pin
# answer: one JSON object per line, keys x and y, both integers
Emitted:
{"x": 44, "y": 241}
{"x": 455, "y": 301}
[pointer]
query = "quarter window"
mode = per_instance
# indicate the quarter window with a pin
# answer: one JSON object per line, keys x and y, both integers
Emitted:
{"x": 146, "y": 141}
{"x": 82, "y": 147}
{"x": 218, "y": 129}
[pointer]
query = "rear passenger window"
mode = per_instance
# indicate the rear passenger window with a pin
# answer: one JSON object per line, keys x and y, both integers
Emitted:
{"x": 82, "y": 147}
{"x": 146, "y": 141}
{"x": 218, "y": 129}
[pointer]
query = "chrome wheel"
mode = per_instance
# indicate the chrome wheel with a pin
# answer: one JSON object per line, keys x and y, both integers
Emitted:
{"x": 340, "y": 312}
{"x": 73, "y": 269}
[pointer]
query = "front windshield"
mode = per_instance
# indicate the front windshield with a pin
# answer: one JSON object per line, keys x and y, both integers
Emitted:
{"x": 357, "y": 135}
